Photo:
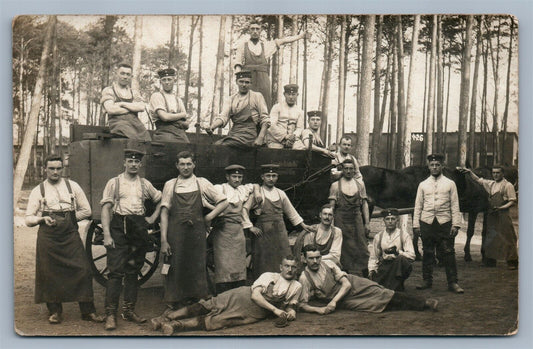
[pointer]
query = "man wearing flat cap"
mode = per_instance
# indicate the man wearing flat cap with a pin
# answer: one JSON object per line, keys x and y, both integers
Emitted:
{"x": 167, "y": 110}
{"x": 286, "y": 120}
{"x": 125, "y": 235}
{"x": 253, "y": 55}
{"x": 248, "y": 112}
{"x": 314, "y": 118}
{"x": 229, "y": 243}
{"x": 271, "y": 241}
{"x": 122, "y": 105}
{"x": 437, "y": 220}
{"x": 392, "y": 254}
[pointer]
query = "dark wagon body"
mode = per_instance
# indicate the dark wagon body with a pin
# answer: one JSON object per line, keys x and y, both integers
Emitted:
{"x": 94, "y": 158}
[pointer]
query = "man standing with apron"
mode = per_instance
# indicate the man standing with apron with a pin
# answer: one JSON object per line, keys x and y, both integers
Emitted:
{"x": 122, "y": 105}
{"x": 167, "y": 110}
{"x": 436, "y": 219}
{"x": 253, "y": 55}
{"x": 62, "y": 273}
{"x": 271, "y": 241}
{"x": 125, "y": 235}
{"x": 349, "y": 198}
{"x": 501, "y": 239}
{"x": 183, "y": 231}
{"x": 248, "y": 111}
{"x": 229, "y": 243}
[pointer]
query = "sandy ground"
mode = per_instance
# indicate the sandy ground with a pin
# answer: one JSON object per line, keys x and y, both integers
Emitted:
{"x": 489, "y": 305}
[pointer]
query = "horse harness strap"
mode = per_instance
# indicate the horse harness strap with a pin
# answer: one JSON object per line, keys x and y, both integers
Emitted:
{"x": 69, "y": 188}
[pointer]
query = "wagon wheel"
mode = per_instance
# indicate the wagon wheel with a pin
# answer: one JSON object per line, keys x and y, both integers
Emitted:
{"x": 97, "y": 254}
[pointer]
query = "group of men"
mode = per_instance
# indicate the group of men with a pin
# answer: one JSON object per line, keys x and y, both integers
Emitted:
{"x": 331, "y": 261}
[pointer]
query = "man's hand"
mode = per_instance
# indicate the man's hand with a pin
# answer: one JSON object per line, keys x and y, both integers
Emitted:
{"x": 454, "y": 231}
{"x": 330, "y": 308}
{"x": 108, "y": 241}
{"x": 416, "y": 232}
{"x": 291, "y": 314}
{"x": 321, "y": 310}
{"x": 367, "y": 230}
{"x": 165, "y": 249}
{"x": 308, "y": 228}
{"x": 280, "y": 313}
{"x": 256, "y": 231}
{"x": 258, "y": 142}
{"x": 49, "y": 221}
{"x": 150, "y": 220}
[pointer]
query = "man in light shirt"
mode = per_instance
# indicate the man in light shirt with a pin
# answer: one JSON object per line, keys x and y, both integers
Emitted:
{"x": 253, "y": 55}
{"x": 437, "y": 220}
{"x": 286, "y": 120}
{"x": 392, "y": 254}
{"x": 126, "y": 236}
{"x": 345, "y": 145}
{"x": 62, "y": 272}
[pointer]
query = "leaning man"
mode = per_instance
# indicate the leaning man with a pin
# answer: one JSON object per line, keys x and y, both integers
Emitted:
{"x": 63, "y": 273}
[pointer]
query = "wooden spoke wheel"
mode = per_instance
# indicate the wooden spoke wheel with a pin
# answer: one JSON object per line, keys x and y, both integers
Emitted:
{"x": 97, "y": 254}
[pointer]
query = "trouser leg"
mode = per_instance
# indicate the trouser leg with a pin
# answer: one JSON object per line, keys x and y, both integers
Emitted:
{"x": 446, "y": 247}
{"x": 131, "y": 284}
{"x": 404, "y": 301}
{"x": 225, "y": 286}
{"x": 87, "y": 307}
{"x": 112, "y": 295}
{"x": 428, "y": 245}
{"x": 54, "y": 308}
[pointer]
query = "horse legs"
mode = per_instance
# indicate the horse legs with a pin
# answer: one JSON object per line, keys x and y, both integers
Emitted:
{"x": 472, "y": 216}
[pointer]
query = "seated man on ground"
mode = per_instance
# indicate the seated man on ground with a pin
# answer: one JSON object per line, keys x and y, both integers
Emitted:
{"x": 325, "y": 282}
{"x": 391, "y": 255}
{"x": 276, "y": 293}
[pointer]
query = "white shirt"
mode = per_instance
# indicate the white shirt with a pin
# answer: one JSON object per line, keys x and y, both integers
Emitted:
{"x": 437, "y": 197}
{"x": 383, "y": 241}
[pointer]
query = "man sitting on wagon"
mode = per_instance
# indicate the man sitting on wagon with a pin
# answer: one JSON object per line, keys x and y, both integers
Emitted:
{"x": 392, "y": 254}
{"x": 248, "y": 111}
{"x": 122, "y": 105}
{"x": 325, "y": 282}
{"x": 276, "y": 293}
{"x": 167, "y": 110}
{"x": 314, "y": 119}
{"x": 287, "y": 120}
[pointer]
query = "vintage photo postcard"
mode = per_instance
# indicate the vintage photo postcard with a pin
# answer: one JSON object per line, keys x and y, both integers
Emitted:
{"x": 265, "y": 175}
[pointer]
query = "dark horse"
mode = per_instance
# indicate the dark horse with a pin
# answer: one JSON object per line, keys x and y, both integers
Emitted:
{"x": 397, "y": 188}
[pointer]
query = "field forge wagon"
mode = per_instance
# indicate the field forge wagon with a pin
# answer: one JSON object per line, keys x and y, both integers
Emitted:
{"x": 95, "y": 157}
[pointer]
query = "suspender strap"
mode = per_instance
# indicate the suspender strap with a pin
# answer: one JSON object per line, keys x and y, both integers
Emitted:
{"x": 310, "y": 279}
{"x": 70, "y": 193}
{"x": 116, "y": 196}
{"x": 41, "y": 187}
{"x": 69, "y": 188}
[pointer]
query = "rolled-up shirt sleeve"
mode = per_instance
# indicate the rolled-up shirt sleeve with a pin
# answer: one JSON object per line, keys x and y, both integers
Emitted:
{"x": 224, "y": 116}
{"x": 108, "y": 195}
{"x": 209, "y": 192}
{"x": 152, "y": 192}
{"x": 157, "y": 102}
{"x": 509, "y": 192}
{"x": 260, "y": 106}
{"x": 289, "y": 209}
{"x": 107, "y": 95}
{"x": 168, "y": 191}
{"x": 334, "y": 191}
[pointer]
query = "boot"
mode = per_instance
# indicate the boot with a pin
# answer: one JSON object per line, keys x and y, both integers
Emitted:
{"x": 454, "y": 287}
{"x": 129, "y": 315}
{"x": 169, "y": 327}
{"x": 110, "y": 322}
{"x": 424, "y": 285}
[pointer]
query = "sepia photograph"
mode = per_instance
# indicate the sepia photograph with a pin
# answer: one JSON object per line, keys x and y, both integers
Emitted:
{"x": 265, "y": 175}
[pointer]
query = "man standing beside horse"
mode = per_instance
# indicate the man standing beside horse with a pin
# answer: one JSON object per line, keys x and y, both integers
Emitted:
{"x": 501, "y": 239}
{"x": 436, "y": 219}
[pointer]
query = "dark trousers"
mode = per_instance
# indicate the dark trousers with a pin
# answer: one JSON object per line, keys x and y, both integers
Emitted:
{"x": 404, "y": 301}
{"x": 85, "y": 308}
{"x": 437, "y": 236}
{"x": 124, "y": 263}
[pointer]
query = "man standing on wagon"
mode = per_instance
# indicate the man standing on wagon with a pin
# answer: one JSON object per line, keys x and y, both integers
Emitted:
{"x": 125, "y": 235}
{"x": 183, "y": 231}
{"x": 62, "y": 273}
{"x": 253, "y": 55}
{"x": 123, "y": 105}
{"x": 167, "y": 110}
{"x": 437, "y": 220}
{"x": 247, "y": 110}
{"x": 271, "y": 241}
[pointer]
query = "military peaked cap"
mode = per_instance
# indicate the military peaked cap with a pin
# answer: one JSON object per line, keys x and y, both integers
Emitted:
{"x": 290, "y": 88}
{"x": 436, "y": 157}
{"x": 269, "y": 168}
{"x": 166, "y": 72}
{"x": 133, "y": 154}
{"x": 235, "y": 169}
{"x": 243, "y": 74}
{"x": 314, "y": 113}
{"x": 390, "y": 212}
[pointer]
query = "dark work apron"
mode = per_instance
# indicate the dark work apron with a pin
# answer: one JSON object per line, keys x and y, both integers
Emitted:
{"x": 187, "y": 277}
{"x": 244, "y": 131}
{"x": 62, "y": 272}
{"x": 500, "y": 242}
{"x": 169, "y": 131}
{"x": 348, "y": 217}
{"x": 259, "y": 67}
{"x": 127, "y": 125}
{"x": 270, "y": 248}
{"x": 229, "y": 246}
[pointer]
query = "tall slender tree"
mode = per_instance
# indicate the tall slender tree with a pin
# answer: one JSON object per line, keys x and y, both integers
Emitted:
{"x": 219, "y": 71}
{"x": 507, "y": 86}
{"x": 406, "y": 137}
{"x": 473, "y": 107}
{"x": 431, "y": 90}
{"x": 376, "y": 131}
{"x": 137, "y": 51}
{"x": 465, "y": 92}
{"x": 194, "y": 23}
{"x": 340, "y": 105}
{"x": 401, "y": 96}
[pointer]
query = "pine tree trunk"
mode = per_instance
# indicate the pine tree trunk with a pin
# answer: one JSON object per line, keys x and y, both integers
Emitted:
{"x": 199, "y": 106}
{"x": 171, "y": 48}
{"x": 376, "y": 131}
{"x": 327, "y": 77}
{"x": 484, "y": 104}
{"x": 215, "y": 104}
{"x": 340, "y": 105}
{"x": 393, "y": 113}
{"x": 137, "y": 48}
{"x": 364, "y": 106}
{"x": 445, "y": 137}
{"x": 53, "y": 96}
{"x": 25, "y": 149}
{"x": 465, "y": 92}
{"x": 279, "y": 83}
{"x": 473, "y": 108}
{"x": 406, "y": 137}
{"x": 431, "y": 91}
{"x": 109, "y": 23}
{"x": 194, "y": 22}
{"x": 440, "y": 87}
{"x": 401, "y": 95}
{"x": 507, "y": 88}
{"x": 293, "y": 76}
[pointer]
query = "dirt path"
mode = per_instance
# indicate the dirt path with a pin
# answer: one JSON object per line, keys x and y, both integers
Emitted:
{"x": 489, "y": 305}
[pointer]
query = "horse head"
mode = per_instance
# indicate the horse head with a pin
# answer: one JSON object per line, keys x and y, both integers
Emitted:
{"x": 472, "y": 196}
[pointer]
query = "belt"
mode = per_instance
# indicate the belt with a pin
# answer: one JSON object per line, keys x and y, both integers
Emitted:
{"x": 56, "y": 213}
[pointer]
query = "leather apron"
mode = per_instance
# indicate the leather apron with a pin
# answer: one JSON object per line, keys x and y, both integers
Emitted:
{"x": 243, "y": 133}
{"x": 258, "y": 65}
{"x": 169, "y": 131}
{"x": 187, "y": 277}
{"x": 127, "y": 125}
{"x": 501, "y": 239}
